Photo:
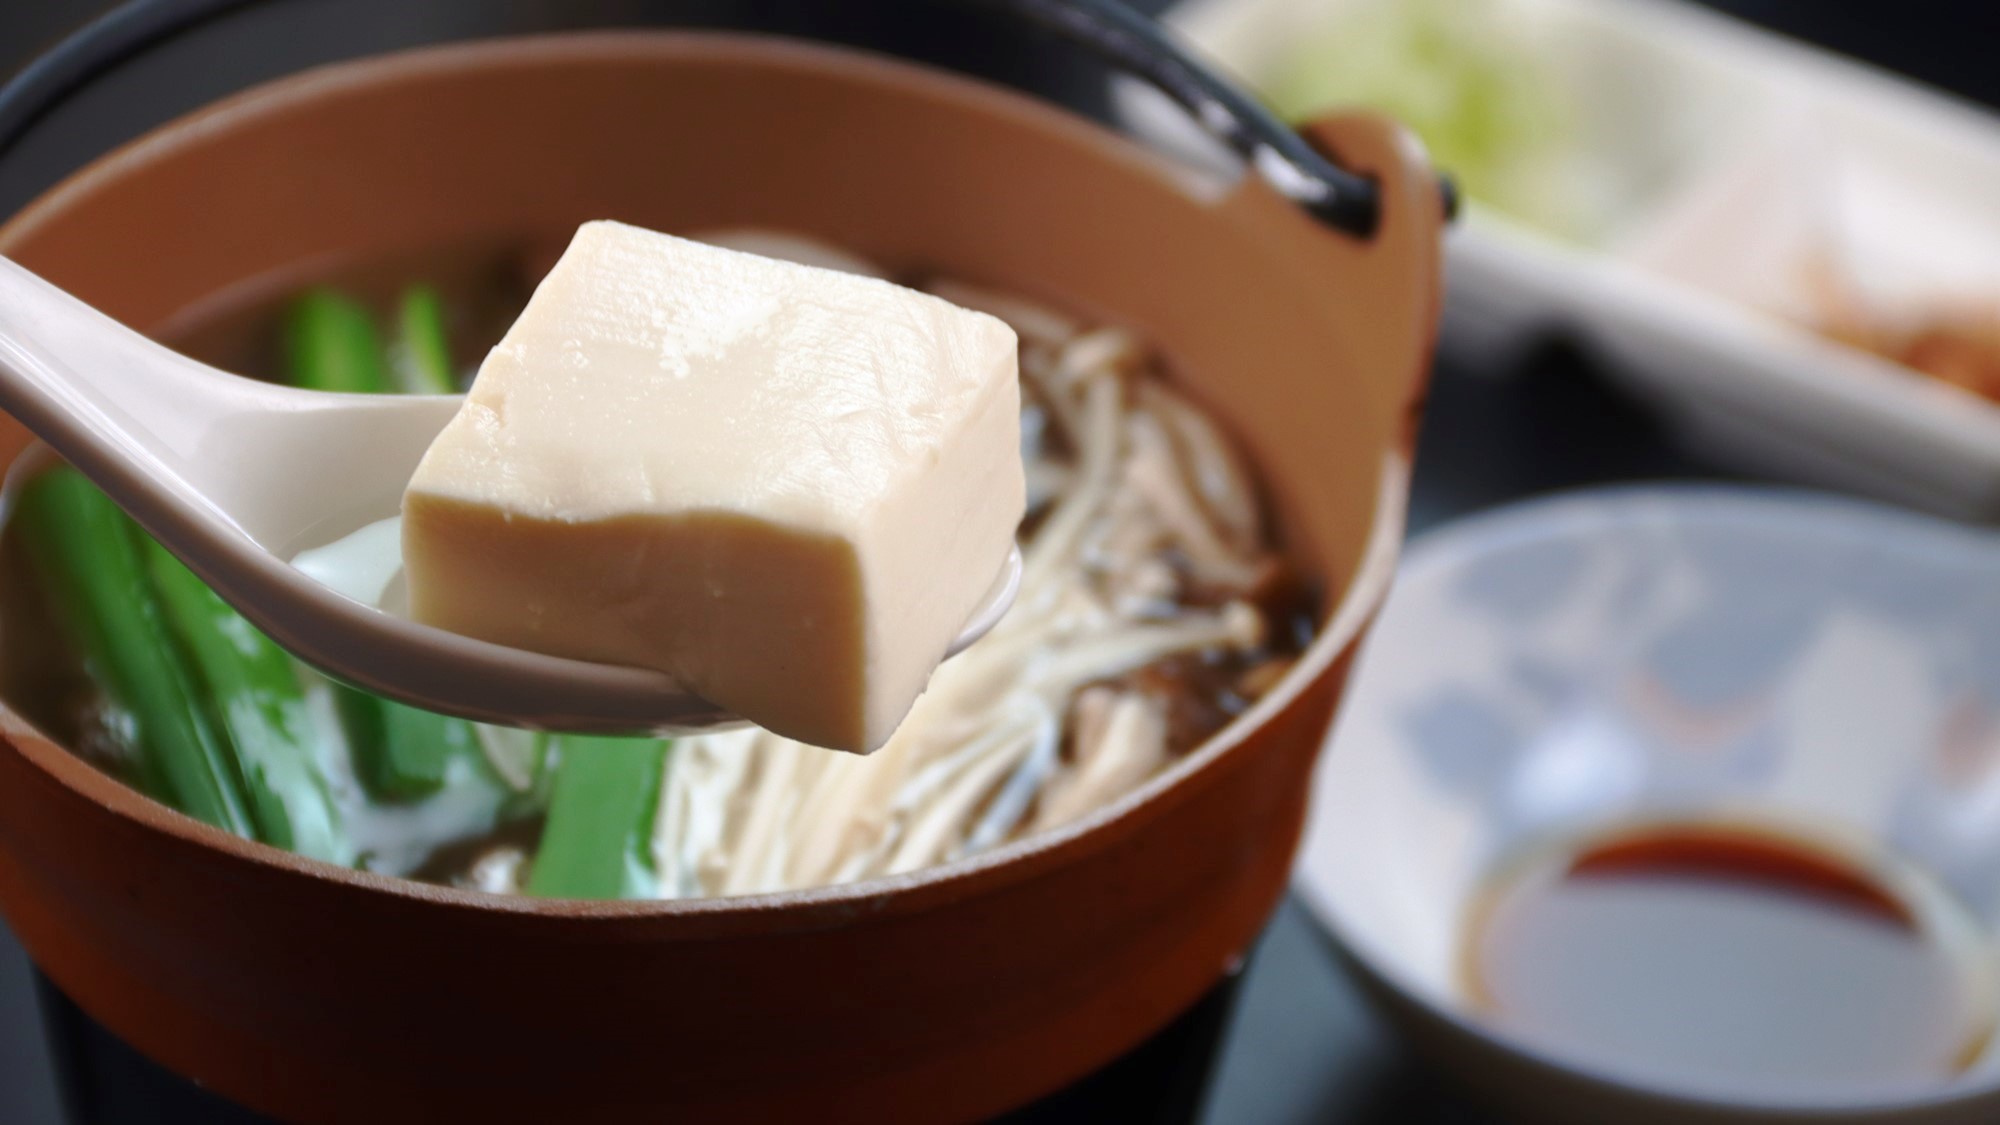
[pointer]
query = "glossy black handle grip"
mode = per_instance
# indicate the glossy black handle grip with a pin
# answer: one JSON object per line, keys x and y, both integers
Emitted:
{"x": 1122, "y": 37}
{"x": 1140, "y": 46}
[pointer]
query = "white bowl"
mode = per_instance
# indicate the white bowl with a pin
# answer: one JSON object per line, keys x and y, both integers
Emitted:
{"x": 1714, "y": 162}
{"x": 1828, "y": 662}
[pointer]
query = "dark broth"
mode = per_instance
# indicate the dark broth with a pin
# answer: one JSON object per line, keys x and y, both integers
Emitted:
{"x": 1732, "y": 959}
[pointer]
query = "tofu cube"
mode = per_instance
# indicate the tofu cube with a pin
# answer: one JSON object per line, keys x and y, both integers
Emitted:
{"x": 787, "y": 487}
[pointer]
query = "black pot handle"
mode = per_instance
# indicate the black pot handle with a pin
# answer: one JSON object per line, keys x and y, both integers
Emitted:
{"x": 1122, "y": 37}
{"x": 1139, "y": 46}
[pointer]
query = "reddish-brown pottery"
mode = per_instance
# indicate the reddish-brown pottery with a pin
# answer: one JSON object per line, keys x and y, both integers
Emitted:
{"x": 315, "y": 993}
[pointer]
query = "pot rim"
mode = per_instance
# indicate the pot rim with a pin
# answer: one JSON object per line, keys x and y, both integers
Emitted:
{"x": 1361, "y": 596}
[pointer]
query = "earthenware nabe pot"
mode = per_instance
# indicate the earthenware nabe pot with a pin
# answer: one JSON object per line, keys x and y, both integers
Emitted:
{"x": 316, "y": 993}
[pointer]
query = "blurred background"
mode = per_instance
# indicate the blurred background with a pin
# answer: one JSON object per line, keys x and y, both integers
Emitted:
{"x": 1583, "y": 345}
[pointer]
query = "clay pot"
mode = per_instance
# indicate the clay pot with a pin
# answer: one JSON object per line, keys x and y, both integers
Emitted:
{"x": 315, "y": 993}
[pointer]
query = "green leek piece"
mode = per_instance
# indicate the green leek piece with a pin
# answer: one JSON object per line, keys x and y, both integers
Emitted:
{"x": 330, "y": 344}
{"x": 422, "y": 345}
{"x": 87, "y": 554}
{"x": 401, "y": 753}
{"x": 254, "y": 692}
{"x": 598, "y": 841}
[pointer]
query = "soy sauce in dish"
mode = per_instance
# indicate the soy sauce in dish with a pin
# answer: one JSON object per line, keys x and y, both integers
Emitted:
{"x": 1733, "y": 959}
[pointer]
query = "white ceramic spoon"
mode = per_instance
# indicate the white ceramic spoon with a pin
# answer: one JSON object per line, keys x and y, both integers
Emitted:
{"x": 237, "y": 476}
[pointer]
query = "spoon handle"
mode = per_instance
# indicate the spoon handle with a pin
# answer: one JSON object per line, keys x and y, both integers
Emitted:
{"x": 198, "y": 456}
{"x": 128, "y": 412}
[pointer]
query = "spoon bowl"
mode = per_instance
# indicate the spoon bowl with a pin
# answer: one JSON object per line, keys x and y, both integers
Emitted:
{"x": 237, "y": 476}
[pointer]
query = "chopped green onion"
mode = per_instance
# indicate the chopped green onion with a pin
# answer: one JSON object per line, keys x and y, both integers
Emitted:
{"x": 401, "y": 753}
{"x": 423, "y": 347}
{"x": 331, "y": 345}
{"x": 255, "y": 694}
{"x": 87, "y": 554}
{"x": 598, "y": 841}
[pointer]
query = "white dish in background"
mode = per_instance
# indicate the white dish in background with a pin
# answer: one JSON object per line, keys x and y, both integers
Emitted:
{"x": 1574, "y": 663}
{"x": 1711, "y": 155}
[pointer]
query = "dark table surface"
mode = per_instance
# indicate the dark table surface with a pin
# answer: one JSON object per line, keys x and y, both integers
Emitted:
{"x": 1296, "y": 1042}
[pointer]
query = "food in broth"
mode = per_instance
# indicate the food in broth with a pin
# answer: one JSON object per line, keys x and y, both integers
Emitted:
{"x": 1155, "y": 606}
